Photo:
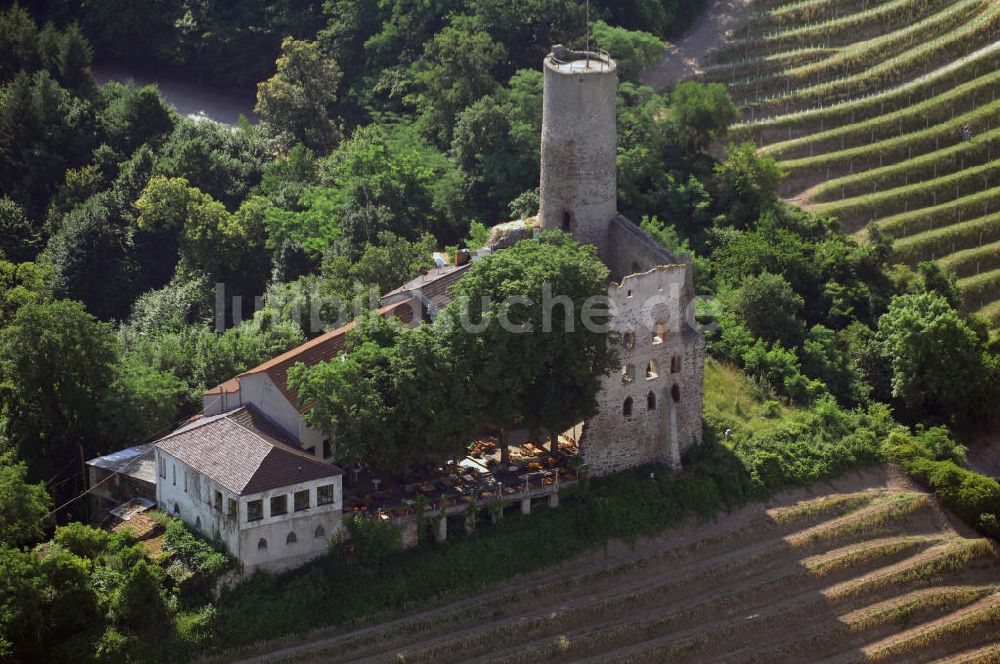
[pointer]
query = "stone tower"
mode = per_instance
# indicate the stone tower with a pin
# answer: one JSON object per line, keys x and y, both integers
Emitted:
{"x": 650, "y": 410}
{"x": 579, "y": 187}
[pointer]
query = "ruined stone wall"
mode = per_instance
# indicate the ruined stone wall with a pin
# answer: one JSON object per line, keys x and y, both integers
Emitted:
{"x": 662, "y": 360}
{"x": 631, "y": 250}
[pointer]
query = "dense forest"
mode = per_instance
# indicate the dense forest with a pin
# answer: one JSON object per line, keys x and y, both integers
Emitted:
{"x": 387, "y": 130}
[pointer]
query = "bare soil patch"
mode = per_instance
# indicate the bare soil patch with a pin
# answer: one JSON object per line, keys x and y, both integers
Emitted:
{"x": 687, "y": 57}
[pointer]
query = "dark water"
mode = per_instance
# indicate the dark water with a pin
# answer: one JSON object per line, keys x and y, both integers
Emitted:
{"x": 189, "y": 98}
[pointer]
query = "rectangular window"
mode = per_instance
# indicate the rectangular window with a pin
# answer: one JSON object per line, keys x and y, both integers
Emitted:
{"x": 279, "y": 505}
{"x": 327, "y": 449}
{"x": 173, "y": 473}
{"x": 324, "y": 495}
{"x": 301, "y": 500}
{"x": 255, "y": 510}
{"x": 233, "y": 508}
{"x": 185, "y": 481}
{"x": 163, "y": 468}
{"x": 218, "y": 500}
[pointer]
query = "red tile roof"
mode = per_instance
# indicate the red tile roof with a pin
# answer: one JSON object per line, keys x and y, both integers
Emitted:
{"x": 244, "y": 452}
{"x": 321, "y": 349}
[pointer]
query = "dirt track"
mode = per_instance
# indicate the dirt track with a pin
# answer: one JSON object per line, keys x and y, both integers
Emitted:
{"x": 686, "y": 58}
{"x": 866, "y": 568}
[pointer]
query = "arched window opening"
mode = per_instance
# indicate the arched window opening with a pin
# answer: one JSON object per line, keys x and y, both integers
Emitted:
{"x": 291, "y": 539}
{"x": 651, "y": 401}
{"x": 652, "y": 370}
{"x": 675, "y": 394}
{"x": 627, "y": 408}
{"x": 567, "y": 221}
{"x": 320, "y": 532}
{"x": 675, "y": 364}
{"x": 197, "y": 523}
{"x": 628, "y": 339}
{"x": 628, "y": 373}
{"x": 261, "y": 544}
{"x": 659, "y": 333}
{"x": 177, "y": 509}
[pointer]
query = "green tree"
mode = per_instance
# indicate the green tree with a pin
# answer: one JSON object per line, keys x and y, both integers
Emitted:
{"x": 702, "y": 112}
{"x": 351, "y": 397}
{"x": 131, "y": 116}
{"x": 396, "y": 397}
{"x": 56, "y": 361}
{"x": 770, "y": 309}
{"x": 72, "y": 60}
{"x": 138, "y": 603}
{"x": 298, "y": 101}
{"x": 44, "y": 130}
{"x": 534, "y": 361}
{"x": 457, "y": 68}
{"x": 24, "y": 593}
{"x": 497, "y": 145}
{"x": 381, "y": 179}
{"x": 936, "y": 361}
{"x": 141, "y": 403}
{"x": 24, "y": 507}
{"x": 212, "y": 240}
{"x": 937, "y": 279}
{"x": 19, "y": 239}
{"x": 90, "y": 258}
{"x": 27, "y": 283}
{"x": 82, "y": 540}
{"x": 224, "y": 163}
{"x": 746, "y": 184}
{"x": 633, "y": 50}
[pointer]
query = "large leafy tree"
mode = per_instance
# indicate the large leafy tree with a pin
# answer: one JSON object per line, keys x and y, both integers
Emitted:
{"x": 90, "y": 257}
{"x": 56, "y": 361}
{"x": 633, "y": 50}
{"x": 213, "y": 241}
{"x": 770, "y": 309}
{"x": 381, "y": 179}
{"x": 44, "y": 130}
{"x": 298, "y": 101}
{"x": 132, "y": 116}
{"x": 26, "y": 283}
{"x": 534, "y": 361}
{"x": 397, "y": 396}
{"x": 23, "y": 506}
{"x": 457, "y": 68}
{"x": 702, "y": 113}
{"x": 936, "y": 361}
{"x": 19, "y": 239}
{"x": 497, "y": 145}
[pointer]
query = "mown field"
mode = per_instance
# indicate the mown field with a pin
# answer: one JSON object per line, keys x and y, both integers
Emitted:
{"x": 863, "y": 104}
{"x": 867, "y": 569}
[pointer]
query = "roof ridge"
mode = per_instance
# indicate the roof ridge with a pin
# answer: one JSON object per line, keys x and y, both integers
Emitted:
{"x": 274, "y": 443}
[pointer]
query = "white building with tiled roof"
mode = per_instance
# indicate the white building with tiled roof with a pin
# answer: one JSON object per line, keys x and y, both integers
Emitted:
{"x": 238, "y": 478}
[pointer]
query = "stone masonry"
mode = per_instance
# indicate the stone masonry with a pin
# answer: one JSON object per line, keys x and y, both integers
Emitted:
{"x": 650, "y": 410}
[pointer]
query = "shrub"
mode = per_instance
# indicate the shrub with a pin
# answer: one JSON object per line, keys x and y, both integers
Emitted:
{"x": 199, "y": 555}
{"x": 82, "y": 540}
{"x": 374, "y": 540}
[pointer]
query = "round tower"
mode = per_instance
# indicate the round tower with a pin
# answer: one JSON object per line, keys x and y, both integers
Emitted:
{"x": 579, "y": 188}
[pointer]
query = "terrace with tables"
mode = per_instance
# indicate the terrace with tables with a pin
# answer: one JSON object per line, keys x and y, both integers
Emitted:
{"x": 534, "y": 474}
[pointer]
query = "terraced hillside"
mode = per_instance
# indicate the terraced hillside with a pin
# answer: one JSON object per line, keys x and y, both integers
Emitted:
{"x": 868, "y": 570}
{"x": 863, "y": 103}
